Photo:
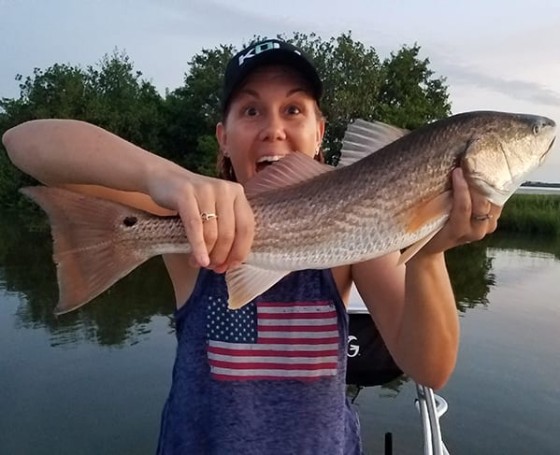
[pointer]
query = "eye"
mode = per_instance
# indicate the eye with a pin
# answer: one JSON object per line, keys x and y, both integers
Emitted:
{"x": 293, "y": 110}
{"x": 250, "y": 111}
{"x": 536, "y": 129}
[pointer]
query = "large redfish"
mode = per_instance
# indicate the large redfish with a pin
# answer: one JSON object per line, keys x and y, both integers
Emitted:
{"x": 310, "y": 215}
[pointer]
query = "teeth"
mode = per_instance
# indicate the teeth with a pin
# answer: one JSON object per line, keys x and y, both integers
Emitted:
{"x": 271, "y": 159}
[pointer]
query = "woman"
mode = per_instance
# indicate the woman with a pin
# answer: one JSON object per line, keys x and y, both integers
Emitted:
{"x": 234, "y": 390}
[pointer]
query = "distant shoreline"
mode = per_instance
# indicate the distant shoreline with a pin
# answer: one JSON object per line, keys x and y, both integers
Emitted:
{"x": 541, "y": 185}
{"x": 550, "y": 189}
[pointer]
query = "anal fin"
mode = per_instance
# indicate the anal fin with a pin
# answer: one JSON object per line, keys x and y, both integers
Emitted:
{"x": 247, "y": 282}
{"x": 415, "y": 247}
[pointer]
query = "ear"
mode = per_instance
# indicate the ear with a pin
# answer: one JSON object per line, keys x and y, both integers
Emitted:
{"x": 221, "y": 136}
{"x": 320, "y": 130}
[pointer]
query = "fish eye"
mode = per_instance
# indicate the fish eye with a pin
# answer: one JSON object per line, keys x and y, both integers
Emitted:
{"x": 130, "y": 221}
{"x": 536, "y": 129}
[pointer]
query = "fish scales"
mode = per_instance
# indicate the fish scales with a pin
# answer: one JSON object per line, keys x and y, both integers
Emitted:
{"x": 303, "y": 222}
{"x": 397, "y": 196}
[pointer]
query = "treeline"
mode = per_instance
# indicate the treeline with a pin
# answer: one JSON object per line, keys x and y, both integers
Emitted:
{"x": 179, "y": 125}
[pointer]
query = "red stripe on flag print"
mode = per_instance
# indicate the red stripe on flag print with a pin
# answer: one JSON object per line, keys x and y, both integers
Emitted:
{"x": 296, "y": 340}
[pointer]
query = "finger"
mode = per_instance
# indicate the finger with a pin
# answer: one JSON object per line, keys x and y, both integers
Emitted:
{"x": 225, "y": 224}
{"x": 462, "y": 204}
{"x": 459, "y": 218}
{"x": 482, "y": 218}
{"x": 190, "y": 216}
{"x": 481, "y": 206}
{"x": 462, "y": 227}
{"x": 456, "y": 229}
{"x": 495, "y": 212}
{"x": 207, "y": 207}
{"x": 245, "y": 231}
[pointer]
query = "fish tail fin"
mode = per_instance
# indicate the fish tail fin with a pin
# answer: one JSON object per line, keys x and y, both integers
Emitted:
{"x": 87, "y": 257}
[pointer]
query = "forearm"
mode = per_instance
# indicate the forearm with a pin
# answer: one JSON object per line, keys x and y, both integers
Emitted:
{"x": 429, "y": 332}
{"x": 91, "y": 160}
{"x": 58, "y": 152}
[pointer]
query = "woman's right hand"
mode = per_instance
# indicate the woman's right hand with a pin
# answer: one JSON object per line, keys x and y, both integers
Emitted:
{"x": 220, "y": 243}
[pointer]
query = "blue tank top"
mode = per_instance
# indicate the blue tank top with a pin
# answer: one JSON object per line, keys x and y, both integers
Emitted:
{"x": 266, "y": 379}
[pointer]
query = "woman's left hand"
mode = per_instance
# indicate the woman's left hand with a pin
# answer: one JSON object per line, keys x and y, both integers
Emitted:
{"x": 472, "y": 217}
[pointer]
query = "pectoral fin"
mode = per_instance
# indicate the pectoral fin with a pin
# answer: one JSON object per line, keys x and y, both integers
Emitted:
{"x": 437, "y": 207}
{"x": 247, "y": 282}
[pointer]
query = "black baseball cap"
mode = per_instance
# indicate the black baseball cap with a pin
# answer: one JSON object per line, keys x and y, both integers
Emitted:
{"x": 270, "y": 51}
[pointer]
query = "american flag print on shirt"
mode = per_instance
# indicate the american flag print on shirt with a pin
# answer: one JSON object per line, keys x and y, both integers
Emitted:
{"x": 272, "y": 340}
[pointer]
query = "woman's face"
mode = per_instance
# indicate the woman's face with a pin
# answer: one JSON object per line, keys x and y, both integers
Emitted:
{"x": 271, "y": 115}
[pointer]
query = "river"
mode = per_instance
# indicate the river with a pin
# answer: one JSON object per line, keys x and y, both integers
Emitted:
{"x": 94, "y": 381}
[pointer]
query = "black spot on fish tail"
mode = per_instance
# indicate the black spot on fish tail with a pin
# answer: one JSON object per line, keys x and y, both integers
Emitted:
{"x": 130, "y": 221}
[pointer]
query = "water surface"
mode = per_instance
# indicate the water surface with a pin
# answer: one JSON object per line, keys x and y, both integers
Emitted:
{"x": 94, "y": 381}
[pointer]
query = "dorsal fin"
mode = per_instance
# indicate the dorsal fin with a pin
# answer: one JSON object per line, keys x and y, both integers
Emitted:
{"x": 363, "y": 138}
{"x": 295, "y": 168}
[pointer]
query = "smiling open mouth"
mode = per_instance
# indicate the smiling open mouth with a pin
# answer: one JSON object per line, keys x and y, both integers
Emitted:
{"x": 266, "y": 161}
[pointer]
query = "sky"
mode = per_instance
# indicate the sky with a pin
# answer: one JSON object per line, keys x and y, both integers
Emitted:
{"x": 495, "y": 54}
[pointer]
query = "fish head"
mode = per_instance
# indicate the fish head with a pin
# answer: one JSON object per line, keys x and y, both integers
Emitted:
{"x": 504, "y": 150}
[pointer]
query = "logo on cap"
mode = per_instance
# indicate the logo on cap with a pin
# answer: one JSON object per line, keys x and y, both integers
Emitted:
{"x": 259, "y": 49}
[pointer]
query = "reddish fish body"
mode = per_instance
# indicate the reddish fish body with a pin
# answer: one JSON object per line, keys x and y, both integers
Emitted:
{"x": 307, "y": 214}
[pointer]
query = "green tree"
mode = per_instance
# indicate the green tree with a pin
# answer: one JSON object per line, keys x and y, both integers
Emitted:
{"x": 120, "y": 101}
{"x": 110, "y": 94}
{"x": 351, "y": 77}
{"x": 180, "y": 126}
{"x": 401, "y": 90}
{"x": 192, "y": 111}
{"x": 410, "y": 95}
{"x": 57, "y": 91}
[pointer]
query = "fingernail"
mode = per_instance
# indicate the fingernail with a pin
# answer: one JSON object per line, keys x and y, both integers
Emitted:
{"x": 458, "y": 173}
{"x": 203, "y": 260}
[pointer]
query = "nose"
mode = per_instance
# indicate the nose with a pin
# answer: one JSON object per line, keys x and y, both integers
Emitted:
{"x": 272, "y": 128}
